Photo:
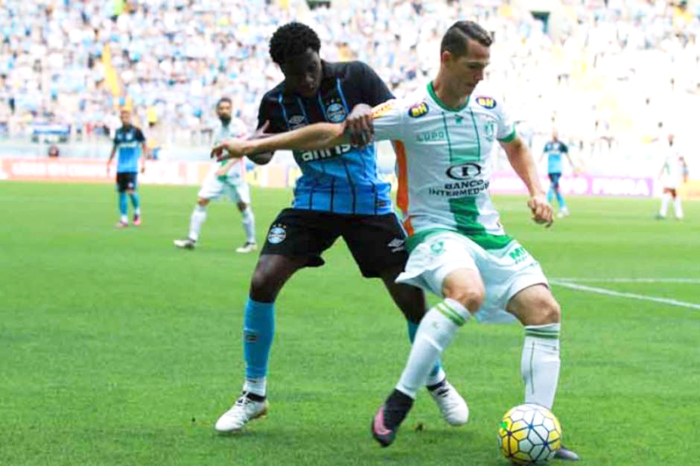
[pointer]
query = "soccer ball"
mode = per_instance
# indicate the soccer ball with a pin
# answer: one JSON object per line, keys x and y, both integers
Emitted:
{"x": 529, "y": 434}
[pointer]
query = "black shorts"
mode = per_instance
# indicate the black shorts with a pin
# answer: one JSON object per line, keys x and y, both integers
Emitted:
{"x": 377, "y": 242}
{"x": 126, "y": 181}
{"x": 554, "y": 178}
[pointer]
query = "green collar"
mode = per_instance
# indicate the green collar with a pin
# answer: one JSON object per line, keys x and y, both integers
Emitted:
{"x": 431, "y": 91}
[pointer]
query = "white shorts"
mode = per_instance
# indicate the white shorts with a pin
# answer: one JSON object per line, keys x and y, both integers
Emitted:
{"x": 505, "y": 272}
{"x": 213, "y": 188}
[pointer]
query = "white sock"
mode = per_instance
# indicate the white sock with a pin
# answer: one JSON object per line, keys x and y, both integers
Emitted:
{"x": 256, "y": 386}
{"x": 249, "y": 224}
{"x": 124, "y": 219}
{"x": 435, "y": 332}
{"x": 677, "y": 207}
{"x": 436, "y": 379}
{"x": 199, "y": 215}
{"x": 540, "y": 363}
{"x": 665, "y": 199}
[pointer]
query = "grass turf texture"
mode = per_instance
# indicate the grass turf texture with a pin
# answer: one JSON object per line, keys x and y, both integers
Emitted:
{"x": 118, "y": 349}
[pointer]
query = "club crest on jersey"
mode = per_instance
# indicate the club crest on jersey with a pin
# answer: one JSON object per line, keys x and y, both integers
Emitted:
{"x": 277, "y": 234}
{"x": 335, "y": 113}
{"x": 486, "y": 102}
{"x": 297, "y": 121}
{"x": 418, "y": 110}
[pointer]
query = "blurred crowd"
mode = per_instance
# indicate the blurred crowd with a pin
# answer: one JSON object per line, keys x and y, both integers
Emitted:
{"x": 606, "y": 74}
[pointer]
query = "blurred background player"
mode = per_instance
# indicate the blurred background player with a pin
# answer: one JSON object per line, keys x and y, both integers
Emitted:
{"x": 227, "y": 177}
{"x": 339, "y": 194}
{"x": 130, "y": 143}
{"x": 673, "y": 173}
{"x": 554, "y": 150}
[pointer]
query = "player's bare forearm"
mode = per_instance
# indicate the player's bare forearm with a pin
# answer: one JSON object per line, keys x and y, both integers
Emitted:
{"x": 523, "y": 163}
{"x": 312, "y": 137}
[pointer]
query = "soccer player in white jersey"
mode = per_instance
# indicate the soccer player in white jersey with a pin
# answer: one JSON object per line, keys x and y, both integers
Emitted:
{"x": 224, "y": 178}
{"x": 444, "y": 138}
{"x": 673, "y": 173}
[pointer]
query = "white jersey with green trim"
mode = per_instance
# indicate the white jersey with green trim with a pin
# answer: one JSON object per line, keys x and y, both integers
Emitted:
{"x": 235, "y": 129}
{"x": 444, "y": 162}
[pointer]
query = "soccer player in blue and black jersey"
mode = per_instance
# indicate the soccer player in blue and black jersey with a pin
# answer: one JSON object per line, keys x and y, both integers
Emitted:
{"x": 555, "y": 150}
{"x": 339, "y": 194}
{"x": 130, "y": 144}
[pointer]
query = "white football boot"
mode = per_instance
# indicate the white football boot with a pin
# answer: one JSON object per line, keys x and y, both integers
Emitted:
{"x": 247, "y": 247}
{"x": 452, "y": 406}
{"x": 242, "y": 411}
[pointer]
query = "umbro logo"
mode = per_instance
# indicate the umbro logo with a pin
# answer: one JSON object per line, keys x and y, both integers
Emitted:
{"x": 397, "y": 245}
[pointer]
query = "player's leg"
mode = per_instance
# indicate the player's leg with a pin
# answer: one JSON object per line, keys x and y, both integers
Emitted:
{"x": 211, "y": 189}
{"x": 271, "y": 273}
{"x": 677, "y": 207}
{"x": 134, "y": 197}
{"x": 242, "y": 194}
{"x": 197, "y": 219}
{"x": 122, "y": 186}
{"x": 540, "y": 314}
{"x": 665, "y": 201}
{"x": 563, "y": 209}
{"x": 444, "y": 266}
{"x": 550, "y": 191}
{"x": 293, "y": 242}
{"x": 411, "y": 301}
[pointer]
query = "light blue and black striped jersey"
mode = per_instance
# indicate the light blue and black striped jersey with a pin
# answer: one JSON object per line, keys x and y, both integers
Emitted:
{"x": 555, "y": 150}
{"x": 128, "y": 142}
{"x": 343, "y": 179}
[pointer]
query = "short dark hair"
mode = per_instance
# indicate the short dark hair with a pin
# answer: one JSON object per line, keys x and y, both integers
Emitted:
{"x": 222, "y": 100}
{"x": 455, "y": 39}
{"x": 291, "y": 40}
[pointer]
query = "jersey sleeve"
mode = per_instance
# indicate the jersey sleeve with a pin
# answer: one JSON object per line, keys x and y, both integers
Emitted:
{"x": 266, "y": 113}
{"x": 388, "y": 120}
{"x": 506, "y": 127}
{"x": 564, "y": 148}
{"x": 138, "y": 135}
{"x": 375, "y": 90}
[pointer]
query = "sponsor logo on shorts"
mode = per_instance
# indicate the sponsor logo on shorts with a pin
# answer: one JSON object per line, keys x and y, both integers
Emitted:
{"x": 486, "y": 102}
{"x": 297, "y": 121}
{"x": 519, "y": 254}
{"x": 418, "y": 110}
{"x": 335, "y": 113}
{"x": 277, "y": 234}
{"x": 438, "y": 247}
{"x": 397, "y": 245}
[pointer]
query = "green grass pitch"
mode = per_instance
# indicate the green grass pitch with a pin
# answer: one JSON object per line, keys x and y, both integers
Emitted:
{"x": 118, "y": 349}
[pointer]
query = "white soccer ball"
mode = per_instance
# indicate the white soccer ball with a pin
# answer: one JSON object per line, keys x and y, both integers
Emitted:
{"x": 529, "y": 434}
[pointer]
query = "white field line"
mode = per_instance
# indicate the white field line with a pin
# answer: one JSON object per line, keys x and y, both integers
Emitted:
{"x": 603, "y": 291}
{"x": 628, "y": 280}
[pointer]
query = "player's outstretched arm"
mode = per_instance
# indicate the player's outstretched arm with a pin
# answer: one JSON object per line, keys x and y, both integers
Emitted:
{"x": 523, "y": 163}
{"x": 312, "y": 137}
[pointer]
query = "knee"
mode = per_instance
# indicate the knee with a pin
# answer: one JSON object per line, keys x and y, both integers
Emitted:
{"x": 548, "y": 312}
{"x": 260, "y": 287}
{"x": 470, "y": 297}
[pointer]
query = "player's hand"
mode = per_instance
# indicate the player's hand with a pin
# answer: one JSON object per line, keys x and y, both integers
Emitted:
{"x": 143, "y": 168}
{"x": 358, "y": 125}
{"x": 542, "y": 212}
{"x": 228, "y": 149}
